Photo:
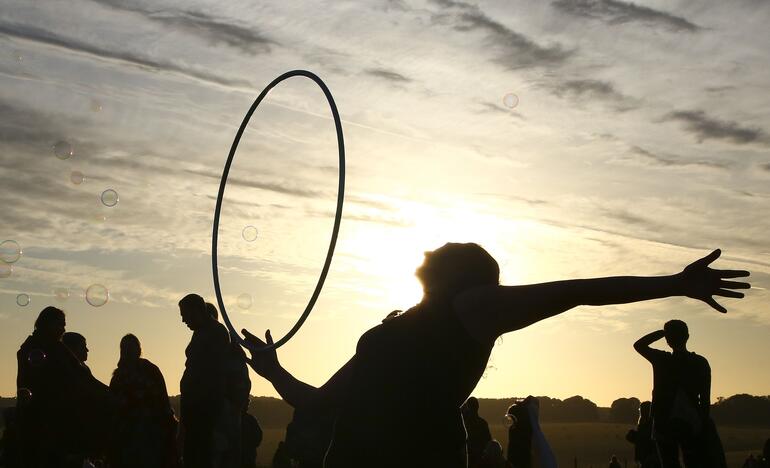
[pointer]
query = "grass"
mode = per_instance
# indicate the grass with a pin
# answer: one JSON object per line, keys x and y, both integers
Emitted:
{"x": 591, "y": 443}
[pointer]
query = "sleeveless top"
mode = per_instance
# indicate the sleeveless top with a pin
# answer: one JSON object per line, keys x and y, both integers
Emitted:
{"x": 411, "y": 375}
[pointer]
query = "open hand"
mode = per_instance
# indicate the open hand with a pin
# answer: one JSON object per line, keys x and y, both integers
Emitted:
{"x": 701, "y": 282}
{"x": 264, "y": 362}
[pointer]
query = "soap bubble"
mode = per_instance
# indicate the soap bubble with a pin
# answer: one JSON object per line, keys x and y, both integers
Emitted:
{"x": 62, "y": 150}
{"x": 6, "y": 270}
{"x": 97, "y": 295}
{"x": 250, "y": 233}
{"x": 509, "y": 420}
{"x": 244, "y": 301}
{"x": 22, "y": 300}
{"x": 77, "y": 177}
{"x": 10, "y": 251}
{"x": 61, "y": 294}
{"x": 510, "y": 100}
{"x": 110, "y": 198}
{"x": 96, "y": 105}
{"x": 36, "y": 357}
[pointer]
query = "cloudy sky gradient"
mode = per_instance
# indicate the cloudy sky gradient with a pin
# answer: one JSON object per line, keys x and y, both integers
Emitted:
{"x": 641, "y": 141}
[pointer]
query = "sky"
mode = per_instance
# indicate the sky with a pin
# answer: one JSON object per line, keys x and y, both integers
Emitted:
{"x": 639, "y": 143}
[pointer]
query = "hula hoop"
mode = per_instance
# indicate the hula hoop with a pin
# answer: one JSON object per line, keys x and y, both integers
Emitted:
{"x": 337, "y": 216}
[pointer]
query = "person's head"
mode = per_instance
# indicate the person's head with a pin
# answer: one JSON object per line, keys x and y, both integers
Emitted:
{"x": 51, "y": 323}
{"x": 471, "y": 406}
{"x": 76, "y": 343}
{"x": 493, "y": 452}
{"x": 676, "y": 334}
{"x": 211, "y": 309}
{"x": 192, "y": 307}
{"x": 130, "y": 349}
{"x": 454, "y": 268}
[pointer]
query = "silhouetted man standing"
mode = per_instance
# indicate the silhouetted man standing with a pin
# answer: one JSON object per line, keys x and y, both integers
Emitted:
{"x": 680, "y": 397}
{"x": 477, "y": 429}
{"x": 202, "y": 386}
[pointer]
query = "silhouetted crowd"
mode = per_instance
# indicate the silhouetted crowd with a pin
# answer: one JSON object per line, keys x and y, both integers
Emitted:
{"x": 65, "y": 417}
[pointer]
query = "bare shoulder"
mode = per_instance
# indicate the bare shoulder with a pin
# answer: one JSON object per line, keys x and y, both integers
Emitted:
{"x": 474, "y": 309}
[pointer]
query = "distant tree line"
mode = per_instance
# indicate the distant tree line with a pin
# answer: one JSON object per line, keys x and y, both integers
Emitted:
{"x": 737, "y": 410}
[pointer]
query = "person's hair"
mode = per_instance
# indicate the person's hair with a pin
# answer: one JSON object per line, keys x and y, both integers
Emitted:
{"x": 194, "y": 303}
{"x": 128, "y": 340}
{"x": 457, "y": 267}
{"x": 472, "y": 403}
{"x": 676, "y": 332}
{"x": 73, "y": 339}
{"x": 493, "y": 451}
{"x": 48, "y": 316}
{"x": 212, "y": 311}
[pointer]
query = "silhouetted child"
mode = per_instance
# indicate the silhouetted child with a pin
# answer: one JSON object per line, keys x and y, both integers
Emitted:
{"x": 398, "y": 398}
{"x": 477, "y": 429}
{"x": 145, "y": 433}
{"x": 202, "y": 388}
{"x": 645, "y": 452}
{"x": 492, "y": 456}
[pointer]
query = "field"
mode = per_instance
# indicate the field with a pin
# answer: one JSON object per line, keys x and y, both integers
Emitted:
{"x": 591, "y": 443}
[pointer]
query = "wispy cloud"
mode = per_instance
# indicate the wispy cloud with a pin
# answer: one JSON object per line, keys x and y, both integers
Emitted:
{"x": 269, "y": 186}
{"x": 637, "y": 155}
{"x": 512, "y": 49}
{"x": 124, "y": 57}
{"x": 388, "y": 75}
{"x": 212, "y": 29}
{"x": 614, "y": 12}
{"x": 589, "y": 90}
{"x": 705, "y": 127}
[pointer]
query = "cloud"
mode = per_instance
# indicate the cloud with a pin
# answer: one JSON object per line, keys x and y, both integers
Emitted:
{"x": 765, "y": 167}
{"x": 592, "y": 90}
{"x": 642, "y": 156}
{"x": 513, "y": 50}
{"x": 705, "y": 127}
{"x": 41, "y": 36}
{"x": 614, "y": 12}
{"x": 487, "y": 107}
{"x": 270, "y": 186}
{"x": 214, "y": 30}
{"x": 388, "y": 75}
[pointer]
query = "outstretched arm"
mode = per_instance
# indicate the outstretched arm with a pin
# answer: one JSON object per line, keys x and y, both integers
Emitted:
{"x": 293, "y": 391}
{"x": 490, "y": 311}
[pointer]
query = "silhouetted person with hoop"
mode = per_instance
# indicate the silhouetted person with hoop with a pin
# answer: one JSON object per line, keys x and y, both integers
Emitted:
{"x": 145, "y": 433}
{"x": 398, "y": 398}
{"x": 202, "y": 388}
{"x": 477, "y": 429}
{"x": 680, "y": 398}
